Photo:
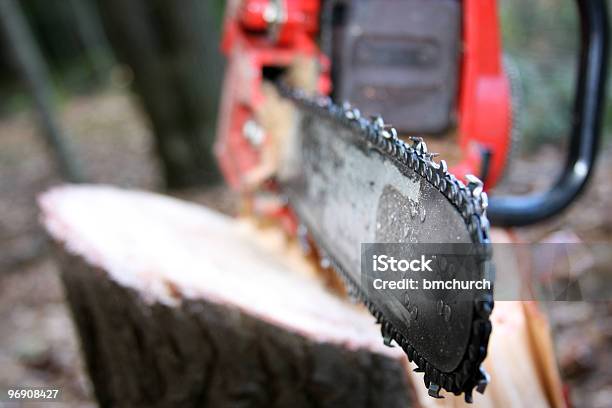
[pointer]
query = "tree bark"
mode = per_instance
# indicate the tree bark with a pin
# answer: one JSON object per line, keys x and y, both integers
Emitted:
{"x": 172, "y": 49}
{"x": 180, "y": 306}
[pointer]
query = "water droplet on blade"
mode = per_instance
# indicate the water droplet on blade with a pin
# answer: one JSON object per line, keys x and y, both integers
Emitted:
{"x": 447, "y": 313}
{"x": 414, "y": 313}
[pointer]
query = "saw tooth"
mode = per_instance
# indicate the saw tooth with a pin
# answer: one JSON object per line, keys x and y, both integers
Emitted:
{"x": 446, "y": 382}
{"x": 484, "y": 226}
{"x": 402, "y": 151}
{"x": 387, "y": 341}
{"x": 442, "y": 168}
{"x": 416, "y": 143}
{"x": 421, "y": 362}
{"x": 434, "y": 390}
{"x": 458, "y": 382}
{"x": 468, "y": 396}
{"x": 352, "y": 114}
{"x": 349, "y": 114}
{"x": 423, "y": 169}
{"x": 416, "y": 163}
{"x": 348, "y": 111}
{"x": 419, "y": 144}
{"x": 363, "y": 124}
{"x": 410, "y": 353}
{"x": 429, "y": 173}
{"x": 461, "y": 184}
{"x": 484, "y": 305}
{"x": 451, "y": 190}
{"x": 484, "y": 201}
{"x": 435, "y": 375}
{"x": 302, "y": 236}
{"x": 378, "y": 121}
{"x": 387, "y": 334}
{"x": 325, "y": 263}
{"x": 283, "y": 199}
{"x": 389, "y": 132}
{"x": 369, "y": 132}
{"x": 416, "y": 139}
{"x": 475, "y": 185}
{"x": 413, "y": 161}
{"x": 324, "y": 101}
{"x": 483, "y": 381}
{"x": 336, "y": 110}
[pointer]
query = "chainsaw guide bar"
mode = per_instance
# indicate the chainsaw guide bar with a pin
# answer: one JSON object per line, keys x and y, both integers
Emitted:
{"x": 351, "y": 180}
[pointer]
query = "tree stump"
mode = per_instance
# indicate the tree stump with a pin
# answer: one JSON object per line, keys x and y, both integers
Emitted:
{"x": 179, "y": 306}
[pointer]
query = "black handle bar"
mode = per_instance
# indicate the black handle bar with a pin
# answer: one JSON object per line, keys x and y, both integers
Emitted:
{"x": 586, "y": 128}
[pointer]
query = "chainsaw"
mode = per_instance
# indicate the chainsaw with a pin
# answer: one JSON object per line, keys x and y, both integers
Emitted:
{"x": 341, "y": 176}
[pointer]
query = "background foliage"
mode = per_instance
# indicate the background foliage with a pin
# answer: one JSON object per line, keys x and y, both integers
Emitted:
{"x": 541, "y": 39}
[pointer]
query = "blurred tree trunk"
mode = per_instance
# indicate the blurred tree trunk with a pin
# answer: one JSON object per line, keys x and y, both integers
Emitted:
{"x": 32, "y": 67}
{"x": 92, "y": 36}
{"x": 172, "y": 48}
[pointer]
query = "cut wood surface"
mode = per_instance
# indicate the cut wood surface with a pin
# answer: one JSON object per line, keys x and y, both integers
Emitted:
{"x": 177, "y": 305}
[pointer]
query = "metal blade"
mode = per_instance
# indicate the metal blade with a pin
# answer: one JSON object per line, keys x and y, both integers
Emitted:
{"x": 351, "y": 181}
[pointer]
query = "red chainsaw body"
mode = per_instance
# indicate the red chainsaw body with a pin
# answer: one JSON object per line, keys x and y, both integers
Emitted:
{"x": 251, "y": 49}
{"x": 484, "y": 112}
{"x": 260, "y": 34}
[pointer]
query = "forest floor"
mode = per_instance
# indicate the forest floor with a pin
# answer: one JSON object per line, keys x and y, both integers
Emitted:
{"x": 38, "y": 344}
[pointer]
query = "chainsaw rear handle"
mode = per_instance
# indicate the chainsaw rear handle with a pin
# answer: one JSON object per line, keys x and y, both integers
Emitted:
{"x": 585, "y": 133}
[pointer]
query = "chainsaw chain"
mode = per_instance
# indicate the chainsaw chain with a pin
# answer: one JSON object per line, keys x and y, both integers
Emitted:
{"x": 470, "y": 201}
